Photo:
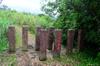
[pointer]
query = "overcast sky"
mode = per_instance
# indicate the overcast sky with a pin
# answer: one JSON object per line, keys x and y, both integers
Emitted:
{"x": 32, "y": 6}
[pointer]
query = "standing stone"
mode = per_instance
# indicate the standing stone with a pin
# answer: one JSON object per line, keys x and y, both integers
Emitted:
{"x": 80, "y": 40}
{"x": 25, "y": 37}
{"x": 70, "y": 40}
{"x": 43, "y": 44}
{"x": 11, "y": 38}
{"x": 57, "y": 43}
{"x": 37, "y": 40}
{"x": 51, "y": 38}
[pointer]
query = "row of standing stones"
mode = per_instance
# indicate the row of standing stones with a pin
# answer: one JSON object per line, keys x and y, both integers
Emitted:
{"x": 50, "y": 39}
{"x": 12, "y": 39}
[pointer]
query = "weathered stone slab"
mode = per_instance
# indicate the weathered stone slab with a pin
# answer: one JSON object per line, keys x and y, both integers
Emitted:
{"x": 80, "y": 39}
{"x": 11, "y": 38}
{"x": 25, "y": 38}
{"x": 57, "y": 43}
{"x": 70, "y": 40}
{"x": 43, "y": 44}
{"x": 37, "y": 40}
{"x": 51, "y": 38}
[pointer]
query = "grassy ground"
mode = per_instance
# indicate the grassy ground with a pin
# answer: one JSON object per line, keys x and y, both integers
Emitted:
{"x": 63, "y": 60}
{"x": 76, "y": 59}
{"x": 7, "y": 60}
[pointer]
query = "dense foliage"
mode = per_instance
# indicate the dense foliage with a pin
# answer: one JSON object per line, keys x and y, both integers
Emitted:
{"x": 3, "y": 29}
{"x": 11, "y": 17}
{"x": 77, "y": 14}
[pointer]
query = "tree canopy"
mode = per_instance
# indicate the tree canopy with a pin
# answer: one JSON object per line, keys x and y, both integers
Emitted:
{"x": 77, "y": 14}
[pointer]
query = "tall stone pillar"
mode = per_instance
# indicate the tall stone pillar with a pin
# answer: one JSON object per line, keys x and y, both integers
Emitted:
{"x": 51, "y": 38}
{"x": 80, "y": 39}
{"x": 70, "y": 40}
{"x": 43, "y": 44}
{"x": 25, "y": 37}
{"x": 57, "y": 43}
{"x": 11, "y": 38}
{"x": 37, "y": 40}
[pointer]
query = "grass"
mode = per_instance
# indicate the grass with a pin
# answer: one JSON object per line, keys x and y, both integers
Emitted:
{"x": 7, "y": 60}
{"x": 74, "y": 59}
{"x": 3, "y": 36}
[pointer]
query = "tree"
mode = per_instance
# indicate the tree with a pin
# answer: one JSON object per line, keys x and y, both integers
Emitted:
{"x": 78, "y": 14}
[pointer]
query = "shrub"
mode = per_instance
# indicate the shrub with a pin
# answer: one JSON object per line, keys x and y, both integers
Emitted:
{"x": 3, "y": 36}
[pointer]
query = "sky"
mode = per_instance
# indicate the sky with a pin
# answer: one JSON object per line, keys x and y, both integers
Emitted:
{"x": 33, "y": 6}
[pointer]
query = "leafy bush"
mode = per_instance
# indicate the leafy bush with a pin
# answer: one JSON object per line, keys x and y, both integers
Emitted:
{"x": 77, "y": 14}
{"x": 8, "y": 17}
{"x": 98, "y": 57}
{"x": 44, "y": 21}
{"x": 3, "y": 34}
